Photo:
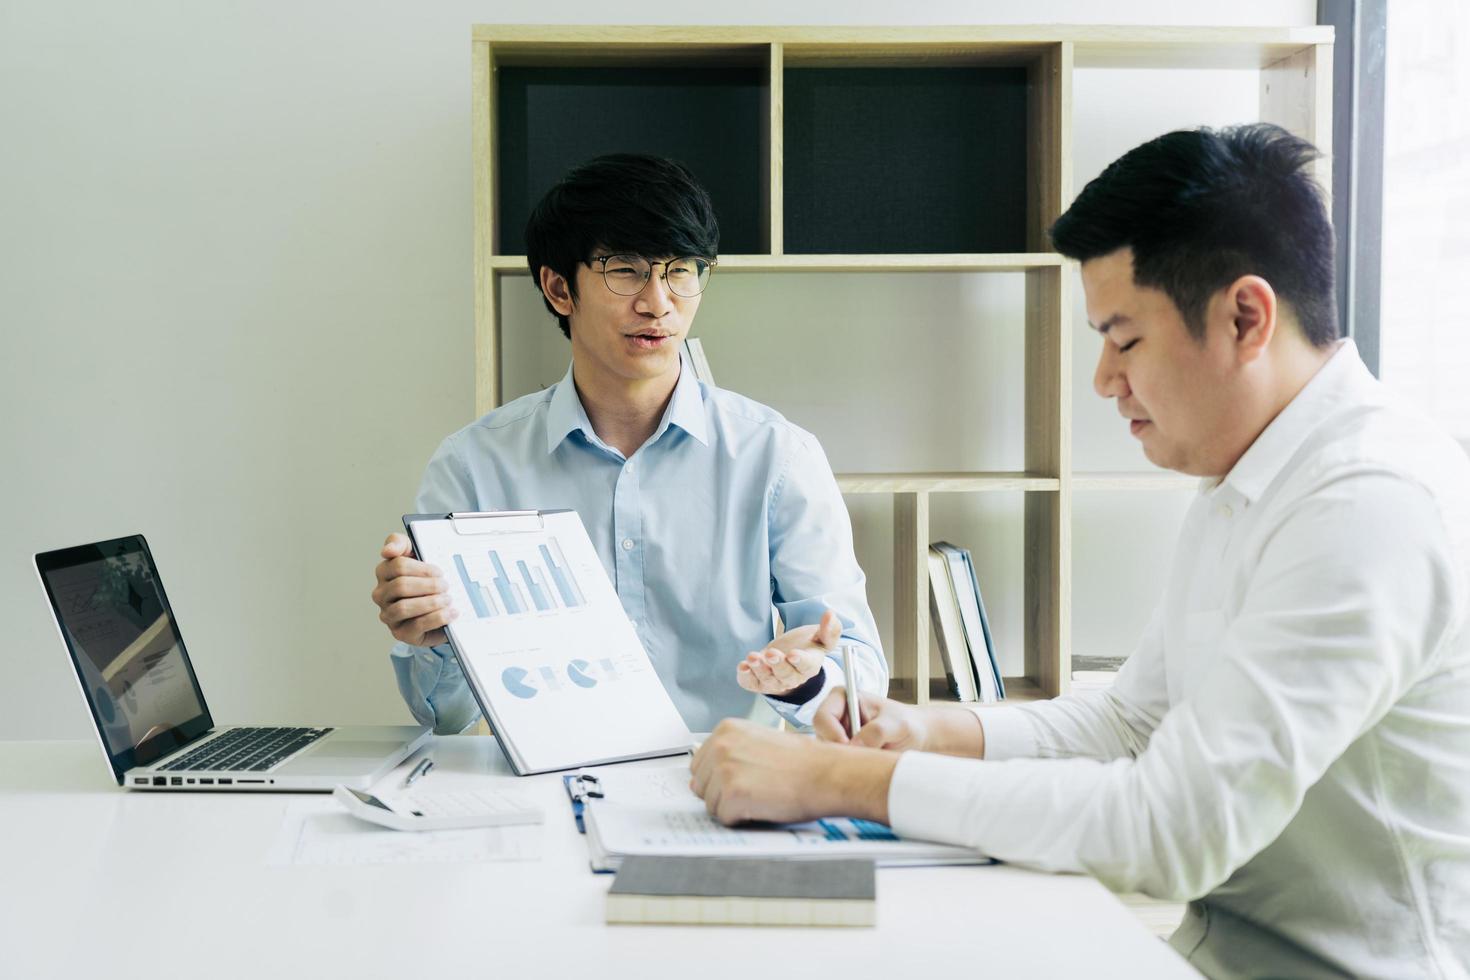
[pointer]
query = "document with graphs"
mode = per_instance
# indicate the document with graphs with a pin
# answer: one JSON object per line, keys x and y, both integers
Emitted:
{"x": 551, "y": 657}
{"x": 653, "y": 813}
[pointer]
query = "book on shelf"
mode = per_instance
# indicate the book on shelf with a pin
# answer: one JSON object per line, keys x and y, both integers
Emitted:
{"x": 964, "y": 587}
{"x": 744, "y": 891}
{"x": 1094, "y": 673}
{"x": 948, "y": 633}
{"x": 694, "y": 349}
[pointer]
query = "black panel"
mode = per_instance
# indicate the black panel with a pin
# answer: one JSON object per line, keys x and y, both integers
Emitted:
{"x": 905, "y": 160}
{"x": 709, "y": 119}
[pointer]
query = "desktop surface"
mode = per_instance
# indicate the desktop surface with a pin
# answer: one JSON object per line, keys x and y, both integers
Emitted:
{"x": 103, "y": 882}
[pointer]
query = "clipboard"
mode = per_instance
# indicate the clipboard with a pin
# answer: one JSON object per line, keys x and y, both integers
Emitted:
{"x": 543, "y": 642}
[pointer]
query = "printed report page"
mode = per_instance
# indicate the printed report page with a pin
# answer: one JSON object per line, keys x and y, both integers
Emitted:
{"x": 547, "y": 643}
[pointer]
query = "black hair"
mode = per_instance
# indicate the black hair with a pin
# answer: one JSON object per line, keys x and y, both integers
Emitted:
{"x": 622, "y": 202}
{"x": 1201, "y": 208}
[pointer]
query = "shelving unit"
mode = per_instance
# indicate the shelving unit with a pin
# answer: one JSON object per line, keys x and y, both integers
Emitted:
{"x": 843, "y": 92}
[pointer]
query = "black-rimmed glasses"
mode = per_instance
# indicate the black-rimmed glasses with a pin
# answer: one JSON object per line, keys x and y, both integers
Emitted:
{"x": 626, "y": 275}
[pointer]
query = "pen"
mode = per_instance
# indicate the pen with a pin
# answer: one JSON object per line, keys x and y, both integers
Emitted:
{"x": 425, "y": 764}
{"x": 854, "y": 724}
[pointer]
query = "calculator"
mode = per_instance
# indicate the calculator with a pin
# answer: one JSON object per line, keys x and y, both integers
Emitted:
{"x": 443, "y": 810}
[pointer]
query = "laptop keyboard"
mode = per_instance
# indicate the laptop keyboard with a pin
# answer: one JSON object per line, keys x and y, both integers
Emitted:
{"x": 247, "y": 749}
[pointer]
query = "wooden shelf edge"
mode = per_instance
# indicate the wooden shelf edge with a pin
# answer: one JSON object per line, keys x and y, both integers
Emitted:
{"x": 1083, "y": 35}
{"x": 945, "y": 482}
{"x": 958, "y": 262}
{"x": 1019, "y": 690}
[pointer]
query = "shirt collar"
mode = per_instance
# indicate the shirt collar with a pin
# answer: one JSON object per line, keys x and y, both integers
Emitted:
{"x": 1340, "y": 381}
{"x": 686, "y": 408}
{"x": 566, "y": 415}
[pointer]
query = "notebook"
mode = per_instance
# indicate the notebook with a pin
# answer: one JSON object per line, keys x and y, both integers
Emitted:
{"x": 743, "y": 891}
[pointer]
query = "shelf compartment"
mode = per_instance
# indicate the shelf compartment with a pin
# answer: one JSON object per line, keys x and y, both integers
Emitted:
{"x": 878, "y": 160}
{"x": 713, "y": 118}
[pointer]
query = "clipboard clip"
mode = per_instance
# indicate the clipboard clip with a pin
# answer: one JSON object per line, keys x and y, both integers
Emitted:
{"x": 497, "y": 521}
{"x": 581, "y": 787}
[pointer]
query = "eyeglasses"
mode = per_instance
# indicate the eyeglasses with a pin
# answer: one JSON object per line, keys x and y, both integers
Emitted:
{"x": 626, "y": 275}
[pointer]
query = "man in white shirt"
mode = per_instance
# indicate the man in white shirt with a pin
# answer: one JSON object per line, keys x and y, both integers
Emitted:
{"x": 1288, "y": 748}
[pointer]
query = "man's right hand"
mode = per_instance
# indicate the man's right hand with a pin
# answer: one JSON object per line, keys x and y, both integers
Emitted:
{"x": 411, "y": 596}
{"x": 886, "y": 724}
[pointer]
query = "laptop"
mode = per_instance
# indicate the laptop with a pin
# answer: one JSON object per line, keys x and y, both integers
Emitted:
{"x": 152, "y": 722}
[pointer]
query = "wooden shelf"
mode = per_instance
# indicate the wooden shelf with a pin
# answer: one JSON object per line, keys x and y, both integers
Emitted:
{"x": 944, "y": 482}
{"x": 1096, "y": 46}
{"x": 1018, "y": 691}
{"x": 759, "y": 74}
{"x": 1006, "y": 262}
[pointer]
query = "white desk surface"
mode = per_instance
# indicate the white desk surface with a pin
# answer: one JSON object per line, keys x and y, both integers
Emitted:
{"x": 101, "y": 882}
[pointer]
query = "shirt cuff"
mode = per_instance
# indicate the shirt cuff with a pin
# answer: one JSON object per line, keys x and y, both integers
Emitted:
{"x": 928, "y": 796}
{"x": 801, "y": 713}
{"x": 805, "y": 691}
{"x": 1009, "y": 734}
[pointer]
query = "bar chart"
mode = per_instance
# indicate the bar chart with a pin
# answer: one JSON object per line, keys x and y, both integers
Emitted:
{"x": 514, "y": 582}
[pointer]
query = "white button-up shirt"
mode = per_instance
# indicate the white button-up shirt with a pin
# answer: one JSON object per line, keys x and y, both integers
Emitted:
{"x": 1290, "y": 741}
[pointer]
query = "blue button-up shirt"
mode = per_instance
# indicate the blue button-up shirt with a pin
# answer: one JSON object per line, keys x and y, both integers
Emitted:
{"x": 727, "y": 511}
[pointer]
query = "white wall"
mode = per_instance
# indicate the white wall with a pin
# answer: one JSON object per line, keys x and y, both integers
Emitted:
{"x": 236, "y": 312}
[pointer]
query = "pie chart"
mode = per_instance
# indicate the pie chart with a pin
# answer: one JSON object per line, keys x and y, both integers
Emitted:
{"x": 577, "y": 671}
{"x": 514, "y": 679}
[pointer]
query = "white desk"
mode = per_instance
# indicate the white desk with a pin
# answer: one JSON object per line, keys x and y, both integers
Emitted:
{"x": 102, "y": 883}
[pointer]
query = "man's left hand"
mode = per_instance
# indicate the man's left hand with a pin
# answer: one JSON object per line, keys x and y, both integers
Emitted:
{"x": 792, "y": 658}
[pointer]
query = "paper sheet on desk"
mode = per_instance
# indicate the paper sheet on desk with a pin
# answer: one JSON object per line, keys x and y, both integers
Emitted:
{"x": 653, "y": 811}
{"x": 318, "y": 831}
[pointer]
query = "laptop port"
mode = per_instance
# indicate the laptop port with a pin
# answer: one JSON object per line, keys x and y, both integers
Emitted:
{"x": 225, "y": 781}
{"x": 204, "y": 781}
{"x": 177, "y": 780}
{"x": 189, "y": 782}
{"x": 160, "y": 781}
{"x": 140, "y": 780}
{"x": 259, "y": 782}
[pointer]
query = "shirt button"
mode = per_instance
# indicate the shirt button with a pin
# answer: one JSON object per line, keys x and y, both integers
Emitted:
{"x": 629, "y": 467}
{"x": 627, "y": 544}
{"x": 1226, "y": 511}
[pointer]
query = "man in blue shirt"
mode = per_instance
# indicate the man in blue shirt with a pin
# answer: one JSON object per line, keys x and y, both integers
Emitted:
{"x": 707, "y": 509}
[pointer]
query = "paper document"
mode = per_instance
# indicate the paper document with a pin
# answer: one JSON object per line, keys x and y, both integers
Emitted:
{"x": 319, "y": 831}
{"x": 653, "y": 811}
{"x": 545, "y": 644}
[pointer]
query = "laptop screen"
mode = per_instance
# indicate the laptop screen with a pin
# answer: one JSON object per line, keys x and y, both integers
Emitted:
{"x": 110, "y": 606}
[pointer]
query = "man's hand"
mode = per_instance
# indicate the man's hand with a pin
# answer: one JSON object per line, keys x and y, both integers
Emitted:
{"x": 886, "y": 724}
{"x": 793, "y": 658}
{"x": 748, "y": 772}
{"x": 411, "y": 595}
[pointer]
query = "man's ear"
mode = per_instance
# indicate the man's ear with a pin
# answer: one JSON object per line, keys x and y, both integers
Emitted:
{"x": 1252, "y": 307}
{"x": 557, "y": 290}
